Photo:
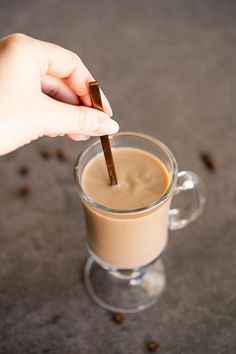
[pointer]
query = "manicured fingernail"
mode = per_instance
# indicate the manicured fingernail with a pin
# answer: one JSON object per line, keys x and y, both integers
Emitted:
{"x": 110, "y": 113}
{"x": 106, "y": 105}
{"x": 106, "y": 125}
{"x": 108, "y": 108}
{"x": 86, "y": 137}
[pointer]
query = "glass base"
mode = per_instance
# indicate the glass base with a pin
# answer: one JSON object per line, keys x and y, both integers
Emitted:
{"x": 125, "y": 291}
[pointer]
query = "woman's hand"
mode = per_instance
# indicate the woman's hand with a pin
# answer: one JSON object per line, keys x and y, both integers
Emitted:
{"x": 44, "y": 91}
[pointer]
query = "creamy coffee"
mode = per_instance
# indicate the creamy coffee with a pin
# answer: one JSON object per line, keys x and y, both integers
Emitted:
{"x": 127, "y": 240}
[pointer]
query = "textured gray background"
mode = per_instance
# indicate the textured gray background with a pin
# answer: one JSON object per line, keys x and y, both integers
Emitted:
{"x": 168, "y": 68}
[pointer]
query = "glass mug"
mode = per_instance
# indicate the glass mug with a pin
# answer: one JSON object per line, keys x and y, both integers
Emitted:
{"x": 124, "y": 271}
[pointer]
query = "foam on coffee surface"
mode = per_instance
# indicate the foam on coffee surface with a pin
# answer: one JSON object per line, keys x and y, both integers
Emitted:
{"x": 142, "y": 179}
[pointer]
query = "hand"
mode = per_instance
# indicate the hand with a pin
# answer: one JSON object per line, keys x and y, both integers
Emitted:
{"x": 44, "y": 91}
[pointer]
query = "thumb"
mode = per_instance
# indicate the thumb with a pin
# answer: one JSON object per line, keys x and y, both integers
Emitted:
{"x": 62, "y": 118}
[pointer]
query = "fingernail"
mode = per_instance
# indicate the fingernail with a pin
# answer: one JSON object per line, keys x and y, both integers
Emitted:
{"x": 86, "y": 137}
{"x": 106, "y": 125}
{"x": 106, "y": 105}
{"x": 110, "y": 113}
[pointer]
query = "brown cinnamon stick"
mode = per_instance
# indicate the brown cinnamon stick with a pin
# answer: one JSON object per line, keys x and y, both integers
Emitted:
{"x": 97, "y": 104}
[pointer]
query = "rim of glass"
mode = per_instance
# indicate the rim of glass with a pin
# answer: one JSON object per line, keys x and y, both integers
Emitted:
{"x": 160, "y": 200}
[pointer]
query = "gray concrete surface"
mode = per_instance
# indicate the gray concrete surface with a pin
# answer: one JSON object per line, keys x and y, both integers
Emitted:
{"x": 169, "y": 69}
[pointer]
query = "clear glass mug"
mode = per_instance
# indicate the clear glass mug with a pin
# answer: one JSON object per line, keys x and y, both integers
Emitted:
{"x": 124, "y": 271}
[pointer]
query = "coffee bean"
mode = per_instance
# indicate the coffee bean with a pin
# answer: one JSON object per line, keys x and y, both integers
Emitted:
{"x": 46, "y": 153}
{"x": 208, "y": 161}
{"x": 24, "y": 170}
{"x": 54, "y": 319}
{"x": 24, "y": 191}
{"x": 152, "y": 346}
{"x": 118, "y": 318}
{"x": 62, "y": 154}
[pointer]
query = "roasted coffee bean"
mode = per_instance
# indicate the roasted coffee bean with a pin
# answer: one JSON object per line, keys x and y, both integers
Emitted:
{"x": 24, "y": 170}
{"x": 208, "y": 161}
{"x": 54, "y": 319}
{"x": 118, "y": 318}
{"x": 24, "y": 191}
{"x": 46, "y": 153}
{"x": 62, "y": 154}
{"x": 46, "y": 350}
{"x": 152, "y": 346}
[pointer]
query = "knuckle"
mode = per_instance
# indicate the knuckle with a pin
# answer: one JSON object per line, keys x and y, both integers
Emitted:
{"x": 18, "y": 36}
{"x": 75, "y": 59}
{"x": 16, "y": 39}
{"x": 15, "y": 42}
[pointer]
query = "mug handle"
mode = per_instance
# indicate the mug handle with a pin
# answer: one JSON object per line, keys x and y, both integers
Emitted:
{"x": 190, "y": 203}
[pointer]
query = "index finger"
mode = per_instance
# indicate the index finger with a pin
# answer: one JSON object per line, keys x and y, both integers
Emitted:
{"x": 65, "y": 64}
